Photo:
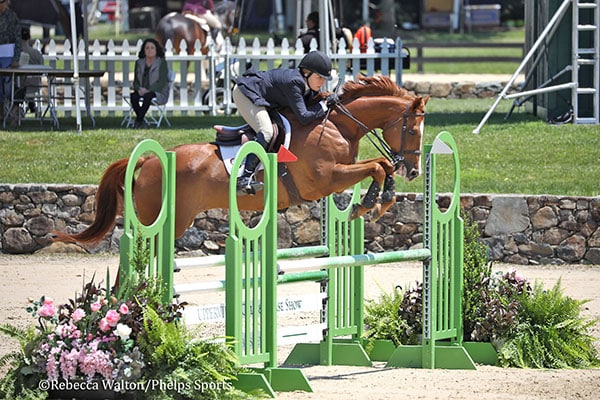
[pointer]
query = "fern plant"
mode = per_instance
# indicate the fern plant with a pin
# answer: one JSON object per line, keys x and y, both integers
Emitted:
{"x": 384, "y": 322}
{"x": 551, "y": 333}
{"x": 198, "y": 369}
{"x": 20, "y": 381}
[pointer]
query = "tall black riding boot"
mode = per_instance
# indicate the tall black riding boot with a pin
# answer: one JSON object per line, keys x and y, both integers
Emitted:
{"x": 245, "y": 184}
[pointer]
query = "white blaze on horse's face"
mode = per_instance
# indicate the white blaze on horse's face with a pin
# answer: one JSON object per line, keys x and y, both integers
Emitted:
{"x": 422, "y": 131}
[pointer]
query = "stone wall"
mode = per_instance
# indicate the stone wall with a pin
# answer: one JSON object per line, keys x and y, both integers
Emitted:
{"x": 459, "y": 89}
{"x": 517, "y": 229}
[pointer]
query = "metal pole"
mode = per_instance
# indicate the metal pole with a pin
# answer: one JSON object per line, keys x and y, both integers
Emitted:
{"x": 75, "y": 66}
{"x": 555, "y": 19}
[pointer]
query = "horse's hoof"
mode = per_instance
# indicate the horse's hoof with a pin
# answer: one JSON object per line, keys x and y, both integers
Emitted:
{"x": 376, "y": 213}
{"x": 355, "y": 212}
{"x": 386, "y": 197}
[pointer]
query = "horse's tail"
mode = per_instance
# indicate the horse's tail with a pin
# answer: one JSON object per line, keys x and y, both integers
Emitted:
{"x": 109, "y": 201}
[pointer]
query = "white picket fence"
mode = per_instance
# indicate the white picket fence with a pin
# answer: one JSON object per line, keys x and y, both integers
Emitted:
{"x": 197, "y": 75}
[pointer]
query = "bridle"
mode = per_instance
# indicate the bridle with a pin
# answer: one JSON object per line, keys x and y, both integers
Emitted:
{"x": 396, "y": 158}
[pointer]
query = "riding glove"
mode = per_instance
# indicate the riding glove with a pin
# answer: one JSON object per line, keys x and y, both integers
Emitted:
{"x": 332, "y": 99}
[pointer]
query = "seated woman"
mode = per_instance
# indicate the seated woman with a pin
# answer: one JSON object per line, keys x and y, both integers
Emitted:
{"x": 151, "y": 79}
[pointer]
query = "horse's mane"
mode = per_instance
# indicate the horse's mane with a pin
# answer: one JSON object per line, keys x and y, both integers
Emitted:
{"x": 378, "y": 85}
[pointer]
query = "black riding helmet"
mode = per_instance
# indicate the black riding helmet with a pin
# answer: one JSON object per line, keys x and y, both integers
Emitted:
{"x": 317, "y": 62}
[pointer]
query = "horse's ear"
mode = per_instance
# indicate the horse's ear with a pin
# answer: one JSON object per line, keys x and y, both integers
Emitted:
{"x": 419, "y": 103}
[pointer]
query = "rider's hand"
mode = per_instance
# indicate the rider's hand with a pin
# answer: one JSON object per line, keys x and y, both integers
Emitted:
{"x": 332, "y": 99}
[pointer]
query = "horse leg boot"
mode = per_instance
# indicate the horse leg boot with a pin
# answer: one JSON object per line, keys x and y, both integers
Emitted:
{"x": 245, "y": 184}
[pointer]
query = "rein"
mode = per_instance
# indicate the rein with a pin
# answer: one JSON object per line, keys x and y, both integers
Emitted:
{"x": 395, "y": 158}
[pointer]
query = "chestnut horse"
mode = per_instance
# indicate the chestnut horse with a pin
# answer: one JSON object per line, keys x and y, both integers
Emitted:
{"x": 327, "y": 152}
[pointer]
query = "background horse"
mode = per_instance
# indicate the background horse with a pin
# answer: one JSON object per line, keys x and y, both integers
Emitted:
{"x": 177, "y": 27}
{"x": 189, "y": 27}
{"x": 327, "y": 152}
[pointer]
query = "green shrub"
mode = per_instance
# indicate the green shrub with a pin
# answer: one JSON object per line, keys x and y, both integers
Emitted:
{"x": 530, "y": 328}
{"x": 475, "y": 270}
{"x": 550, "y": 333}
{"x": 382, "y": 320}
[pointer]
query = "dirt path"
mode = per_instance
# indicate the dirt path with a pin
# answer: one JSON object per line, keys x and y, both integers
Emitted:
{"x": 25, "y": 277}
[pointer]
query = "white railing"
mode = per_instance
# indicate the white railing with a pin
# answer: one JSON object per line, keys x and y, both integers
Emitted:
{"x": 199, "y": 86}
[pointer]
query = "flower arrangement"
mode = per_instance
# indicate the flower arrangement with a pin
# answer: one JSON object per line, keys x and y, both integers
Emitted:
{"x": 124, "y": 342}
{"x": 93, "y": 336}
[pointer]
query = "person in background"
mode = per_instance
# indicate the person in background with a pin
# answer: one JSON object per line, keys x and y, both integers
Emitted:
{"x": 257, "y": 92}
{"x": 311, "y": 32}
{"x": 363, "y": 34}
{"x": 151, "y": 79}
{"x": 204, "y": 9}
{"x": 30, "y": 84}
{"x": 35, "y": 56}
{"x": 10, "y": 45}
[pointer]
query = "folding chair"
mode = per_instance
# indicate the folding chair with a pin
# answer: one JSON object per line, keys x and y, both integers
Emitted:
{"x": 157, "y": 113}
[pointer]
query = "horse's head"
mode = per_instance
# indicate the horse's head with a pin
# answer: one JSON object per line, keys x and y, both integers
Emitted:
{"x": 403, "y": 132}
{"x": 377, "y": 102}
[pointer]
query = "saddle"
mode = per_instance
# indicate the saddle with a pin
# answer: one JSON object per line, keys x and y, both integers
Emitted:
{"x": 230, "y": 139}
{"x": 238, "y": 135}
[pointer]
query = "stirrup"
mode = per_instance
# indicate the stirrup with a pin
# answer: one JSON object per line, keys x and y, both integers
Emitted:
{"x": 248, "y": 187}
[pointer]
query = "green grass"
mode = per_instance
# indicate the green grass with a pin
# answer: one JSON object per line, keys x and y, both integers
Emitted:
{"x": 523, "y": 155}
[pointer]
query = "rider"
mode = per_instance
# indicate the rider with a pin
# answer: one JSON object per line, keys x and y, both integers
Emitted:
{"x": 204, "y": 9}
{"x": 256, "y": 92}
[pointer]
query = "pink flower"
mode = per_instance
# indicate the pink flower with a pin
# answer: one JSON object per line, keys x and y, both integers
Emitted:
{"x": 47, "y": 310}
{"x": 112, "y": 317}
{"x": 95, "y": 306}
{"x": 104, "y": 325}
{"x": 123, "y": 309}
{"x": 48, "y": 300}
{"x": 78, "y": 314}
{"x": 51, "y": 368}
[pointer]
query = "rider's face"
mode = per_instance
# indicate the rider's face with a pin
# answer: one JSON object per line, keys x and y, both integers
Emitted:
{"x": 315, "y": 82}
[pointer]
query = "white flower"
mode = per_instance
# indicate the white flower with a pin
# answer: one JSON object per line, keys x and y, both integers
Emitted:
{"x": 123, "y": 331}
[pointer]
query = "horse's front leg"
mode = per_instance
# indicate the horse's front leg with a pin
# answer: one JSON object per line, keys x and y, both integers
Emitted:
{"x": 388, "y": 197}
{"x": 345, "y": 175}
